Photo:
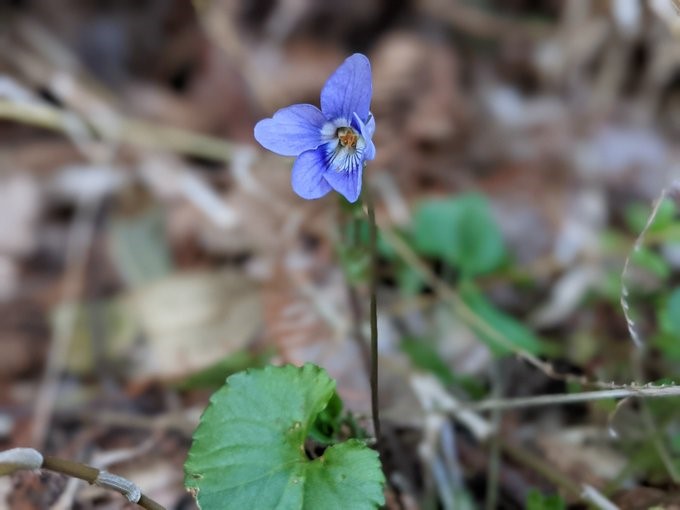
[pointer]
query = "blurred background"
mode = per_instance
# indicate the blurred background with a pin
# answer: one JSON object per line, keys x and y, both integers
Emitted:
{"x": 149, "y": 247}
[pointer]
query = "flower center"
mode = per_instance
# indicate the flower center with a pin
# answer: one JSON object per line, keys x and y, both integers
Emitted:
{"x": 348, "y": 137}
{"x": 344, "y": 146}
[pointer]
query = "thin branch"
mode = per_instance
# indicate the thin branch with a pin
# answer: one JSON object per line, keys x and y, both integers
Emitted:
{"x": 101, "y": 478}
{"x": 574, "y": 398}
{"x": 19, "y": 459}
{"x": 672, "y": 192}
{"x": 478, "y": 22}
{"x": 129, "y": 131}
{"x": 650, "y": 422}
{"x": 596, "y": 498}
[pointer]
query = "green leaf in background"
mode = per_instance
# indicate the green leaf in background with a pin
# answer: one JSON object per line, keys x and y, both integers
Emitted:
{"x": 424, "y": 356}
{"x": 409, "y": 279}
{"x": 673, "y": 311}
{"x": 385, "y": 248}
{"x": 460, "y": 231}
{"x": 637, "y": 215}
{"x": 668, "y": 344}
{"x": 651, "y": 261}
{"x": 355, "y": 262}
{"x": 538, "y": 501}
{"x": 352, "y": 249}
{"x": 213, "y": 377}
{"x": 674, "y": 442}
{"x": 248, "y": 450}
{"x": 516, "y": 334}
{"x": 667, "y": 339}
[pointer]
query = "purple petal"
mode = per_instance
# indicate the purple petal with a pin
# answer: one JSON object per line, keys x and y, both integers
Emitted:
{"x": 348, "y": 90}
{"x": 367, "y": 131}
{"x": 307, "y": 177}
{"x": 370, "y": 125}
{"x": 347, "y": 183}
{"x": 291, "y": 130}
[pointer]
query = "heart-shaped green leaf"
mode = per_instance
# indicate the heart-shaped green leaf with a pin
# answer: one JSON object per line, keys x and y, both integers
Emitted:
{"x": 248, "y": 450}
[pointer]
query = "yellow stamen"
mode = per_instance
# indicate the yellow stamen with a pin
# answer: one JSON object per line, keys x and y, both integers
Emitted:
{"x": 348, "y": 137}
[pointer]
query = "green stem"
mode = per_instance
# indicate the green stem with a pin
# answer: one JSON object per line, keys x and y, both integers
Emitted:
{"x": 373, "y": 248}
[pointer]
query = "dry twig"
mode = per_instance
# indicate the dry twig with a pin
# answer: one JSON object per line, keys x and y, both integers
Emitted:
{"x": 19, "y": 459}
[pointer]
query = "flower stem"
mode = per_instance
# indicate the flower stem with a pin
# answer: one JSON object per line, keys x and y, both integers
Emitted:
{"x": 373, "y": 249}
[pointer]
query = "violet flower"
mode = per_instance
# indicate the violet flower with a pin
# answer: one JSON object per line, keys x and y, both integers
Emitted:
{"x": 333, "y": 144}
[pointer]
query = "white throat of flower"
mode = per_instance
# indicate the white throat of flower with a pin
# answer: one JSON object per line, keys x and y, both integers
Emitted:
{"x": 344, "y": 146}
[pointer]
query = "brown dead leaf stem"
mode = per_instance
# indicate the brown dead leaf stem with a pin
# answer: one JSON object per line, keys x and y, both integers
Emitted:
{"x": 29, "y": 459}
{"x": 96, "y": 476}
{"x": 623, "y": 391}
{"x": 129, "y": 131}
